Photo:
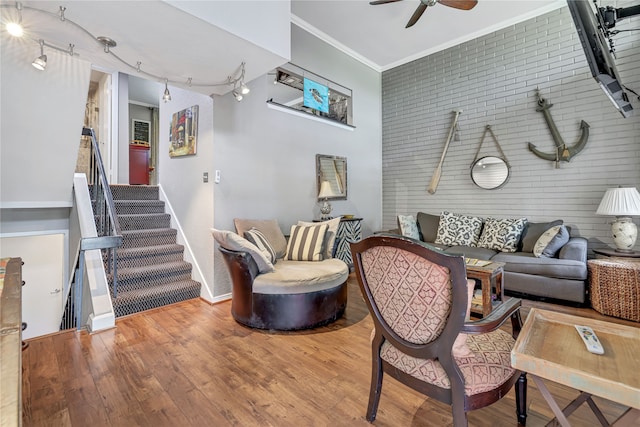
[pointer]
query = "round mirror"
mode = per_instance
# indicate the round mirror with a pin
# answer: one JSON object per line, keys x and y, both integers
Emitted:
{"x": 489, "y": 172}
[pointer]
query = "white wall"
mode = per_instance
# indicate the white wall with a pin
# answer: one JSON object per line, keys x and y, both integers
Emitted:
{"x": 267, "y": 157}
{"x": 181, "y": 180}
{"x": 41, "y": 123}
{"x": 493, "y": 79}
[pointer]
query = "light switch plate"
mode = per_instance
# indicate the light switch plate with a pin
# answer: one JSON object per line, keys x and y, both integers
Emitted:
{"x": 205, "y": 177}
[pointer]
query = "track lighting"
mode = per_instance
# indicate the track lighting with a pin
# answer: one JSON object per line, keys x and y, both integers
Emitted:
{"x": 236, "y": 79}
{"x": 40, "y": 63}
{"x": 167, "y": 96}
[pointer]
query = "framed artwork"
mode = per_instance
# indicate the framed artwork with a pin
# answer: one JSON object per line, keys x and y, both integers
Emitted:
{"x": 141, "y": 132}
{"x": 183, "y": 133}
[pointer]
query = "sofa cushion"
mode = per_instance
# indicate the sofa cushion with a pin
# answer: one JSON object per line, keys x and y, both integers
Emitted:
{"x": 329, "y": 236}
{"x": 527, "y": 263}
{"x": 295, "y": 277}
{"x": 457, "y": 229}
{"x": 408, "y": 227}
{"x": 502, "y": 234}
{"x": 551, "y": 241}
{"x": 268, "y": 227}
{"x": 471, "y": 252}
{"x": 428, "y": 226}
{"x": 231, "y": 241}
{"x": 259, "y": 239}
{"x": 533, "y": 231}
{"x": 306, "y": 242}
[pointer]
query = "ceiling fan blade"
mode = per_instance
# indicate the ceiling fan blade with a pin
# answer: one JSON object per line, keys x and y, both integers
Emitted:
{"x": 383, "y": 1}
{"x": 416, "y": 15}
{"x": 459, "y": 4}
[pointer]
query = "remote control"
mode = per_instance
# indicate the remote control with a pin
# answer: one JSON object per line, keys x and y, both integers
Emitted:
{"x": 590, "y": 339}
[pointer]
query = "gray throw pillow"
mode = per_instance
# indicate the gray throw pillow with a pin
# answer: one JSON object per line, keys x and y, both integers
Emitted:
{"x": 428, "y": 226}
{"x": 533, "y": 231}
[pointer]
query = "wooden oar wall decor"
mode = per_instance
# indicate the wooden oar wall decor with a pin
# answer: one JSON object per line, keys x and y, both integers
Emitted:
{"x": 563, "y": 152}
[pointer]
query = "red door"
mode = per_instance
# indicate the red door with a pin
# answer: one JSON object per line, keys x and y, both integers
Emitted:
{"x": 138, "y": 164}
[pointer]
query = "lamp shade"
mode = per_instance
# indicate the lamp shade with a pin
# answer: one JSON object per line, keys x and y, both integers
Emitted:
{"x": 326, "y": 190}
{"x": 620, "y": 202}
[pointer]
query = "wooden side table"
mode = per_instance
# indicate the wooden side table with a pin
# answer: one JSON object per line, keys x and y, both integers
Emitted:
{"x": 490, "y": 276}
{"x": 614, "y": 285}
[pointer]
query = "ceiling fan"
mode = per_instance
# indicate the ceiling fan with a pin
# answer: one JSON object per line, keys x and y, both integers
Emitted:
{"x": 458, "y": 4}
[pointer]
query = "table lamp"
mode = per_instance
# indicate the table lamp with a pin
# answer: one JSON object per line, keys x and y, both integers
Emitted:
{"x": 325, "y": 192}
{"x": 623, "y": 203}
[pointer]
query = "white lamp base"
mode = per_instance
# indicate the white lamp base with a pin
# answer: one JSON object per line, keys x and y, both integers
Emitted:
{"x": 625, "y": 233}
{"x": 325, "y": 210}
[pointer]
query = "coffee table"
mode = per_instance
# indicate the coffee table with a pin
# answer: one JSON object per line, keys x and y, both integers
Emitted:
{"x": 550, "y": 348}
{"x": 490, "y": 276}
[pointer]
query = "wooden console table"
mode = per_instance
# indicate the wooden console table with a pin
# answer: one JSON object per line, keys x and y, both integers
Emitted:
{"x": 10, "y": 342}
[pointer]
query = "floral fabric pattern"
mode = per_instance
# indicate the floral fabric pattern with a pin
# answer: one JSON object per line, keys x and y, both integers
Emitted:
{"x": 412, "y": 294}
{"x": 502, "y": 234}
{"x": 455, "y": 229}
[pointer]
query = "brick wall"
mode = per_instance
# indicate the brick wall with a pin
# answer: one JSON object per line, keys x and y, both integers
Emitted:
{"x": 493, "y": 80}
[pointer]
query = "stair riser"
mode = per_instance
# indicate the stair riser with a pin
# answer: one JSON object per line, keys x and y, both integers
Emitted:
{"x": 149, "y": 239}
{"x": 124, "y": 306}
{"x": 134, "y": 192}
{"x": 132, "y": 208}
{"x": 144, "y": 222}
{"x": 147, "y": 260}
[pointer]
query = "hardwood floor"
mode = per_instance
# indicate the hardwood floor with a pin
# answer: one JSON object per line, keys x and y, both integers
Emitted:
{"x": 191, "y": 364}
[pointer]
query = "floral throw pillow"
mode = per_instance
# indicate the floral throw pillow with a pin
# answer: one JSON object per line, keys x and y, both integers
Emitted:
{"x": 502, "y": 234}
{"x": 456, "y": 229}
{"x": 408, "y": 226}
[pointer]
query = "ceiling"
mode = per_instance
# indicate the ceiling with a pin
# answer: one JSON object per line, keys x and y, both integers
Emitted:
{"x": 377, "y": 36}
{"x": 171, "y": 43}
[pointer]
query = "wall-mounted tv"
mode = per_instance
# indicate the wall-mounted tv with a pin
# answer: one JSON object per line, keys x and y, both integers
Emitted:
{"x": 589, "y": 23}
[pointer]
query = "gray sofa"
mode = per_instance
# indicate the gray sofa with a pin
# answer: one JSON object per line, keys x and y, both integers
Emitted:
{"x": 561, "y": 277}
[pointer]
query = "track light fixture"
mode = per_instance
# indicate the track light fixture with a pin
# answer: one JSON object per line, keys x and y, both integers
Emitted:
{"x": 236, "y": 80}
{"x": 40, "y": 63}
{"x": 167, "y": 96}
{"x": 15, "y": 27}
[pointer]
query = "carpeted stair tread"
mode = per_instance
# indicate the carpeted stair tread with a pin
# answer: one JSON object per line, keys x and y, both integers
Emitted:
{"x": 156, "y": 273}
{"x": 148, "y": 255}
{"x": 149, "y": 237}
{"x": 134, "y": 192}
{"x": 144, "y": 221}
{"x": 134, "y": 301}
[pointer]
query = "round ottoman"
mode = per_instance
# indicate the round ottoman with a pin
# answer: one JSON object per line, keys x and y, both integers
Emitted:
{"x": 614, "y": 285}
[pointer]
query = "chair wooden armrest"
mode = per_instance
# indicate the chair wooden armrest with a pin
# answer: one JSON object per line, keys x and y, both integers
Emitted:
{"x": 508, "y": 309}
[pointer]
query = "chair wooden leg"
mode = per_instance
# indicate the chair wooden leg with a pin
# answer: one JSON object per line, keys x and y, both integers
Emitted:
{"x": 376, "y": 388}
{"x": 521, "y": 399}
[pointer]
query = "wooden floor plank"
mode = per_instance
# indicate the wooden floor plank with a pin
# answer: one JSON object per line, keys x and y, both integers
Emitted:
{"x": 191, "y": 364}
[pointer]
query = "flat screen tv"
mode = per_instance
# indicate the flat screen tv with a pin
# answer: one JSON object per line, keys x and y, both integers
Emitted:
{"x": 590, "y": 26}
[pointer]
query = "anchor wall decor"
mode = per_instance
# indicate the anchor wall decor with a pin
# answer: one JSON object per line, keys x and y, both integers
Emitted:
{"x": 563, "y": 152}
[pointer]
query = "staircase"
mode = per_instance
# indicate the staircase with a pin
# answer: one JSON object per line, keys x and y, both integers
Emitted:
{"x": 150, "y": 266}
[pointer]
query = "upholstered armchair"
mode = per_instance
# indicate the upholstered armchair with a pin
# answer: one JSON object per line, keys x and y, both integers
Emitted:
{"x": 419, "y": 300}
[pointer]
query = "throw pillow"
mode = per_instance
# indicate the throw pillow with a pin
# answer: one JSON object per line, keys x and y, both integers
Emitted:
{"x": 257, "y": 238}
{"x": 305, "y": 242}
{"x": 551, "y": 242}
{"x": 408, "y": 226}
{"x": 428, "y": 226}
{"x": 231, "y": 241}
{"x": 502, "y": 234}
{"x": 533, "y": 231}
{"x": 268, "y": 227}
{"x": 330, "y": 235}
{"x": 456, "y": 229}
{"x": 460, "y": 347}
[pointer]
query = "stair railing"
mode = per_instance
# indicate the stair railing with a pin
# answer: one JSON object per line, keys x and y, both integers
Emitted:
{"x": 107, "y": 224}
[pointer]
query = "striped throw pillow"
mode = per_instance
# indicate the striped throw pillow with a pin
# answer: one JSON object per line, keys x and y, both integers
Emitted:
{"x": 256, "y": 237}
{"x": 305, "y": 242}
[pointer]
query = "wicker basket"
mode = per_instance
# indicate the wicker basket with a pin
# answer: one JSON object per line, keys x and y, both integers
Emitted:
{"x": 615, "y": 287}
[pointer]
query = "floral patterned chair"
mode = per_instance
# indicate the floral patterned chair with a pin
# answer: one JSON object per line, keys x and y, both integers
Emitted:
{"x": 418, "y": 298}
